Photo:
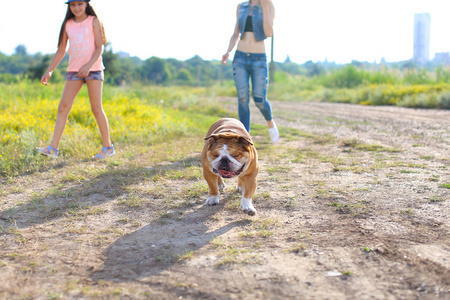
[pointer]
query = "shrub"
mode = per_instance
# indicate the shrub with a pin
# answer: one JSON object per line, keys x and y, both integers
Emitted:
{"x": 346, "y": 77}
{"x": 419, "y": 101}
{"x": 9, "y": 78}
{"x": 444, "y": 100}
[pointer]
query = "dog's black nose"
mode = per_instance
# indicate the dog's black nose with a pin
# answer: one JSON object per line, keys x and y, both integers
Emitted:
{"x": 224, "y": 163}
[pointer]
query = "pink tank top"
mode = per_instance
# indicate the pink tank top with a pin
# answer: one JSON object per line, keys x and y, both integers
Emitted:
{"x": 82, "y": 45}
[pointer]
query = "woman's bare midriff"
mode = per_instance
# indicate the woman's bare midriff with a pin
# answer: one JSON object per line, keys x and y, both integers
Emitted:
{"x": 249, "y": 44}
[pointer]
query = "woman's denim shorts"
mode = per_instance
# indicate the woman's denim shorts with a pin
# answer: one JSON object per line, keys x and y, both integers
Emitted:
{"x": 93, "y": 75}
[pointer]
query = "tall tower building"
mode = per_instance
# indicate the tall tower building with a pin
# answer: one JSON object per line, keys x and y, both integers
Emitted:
{"x": 422, "y": 38}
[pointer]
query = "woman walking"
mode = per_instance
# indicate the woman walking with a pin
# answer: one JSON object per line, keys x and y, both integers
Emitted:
{"x": 86, "y": 37}
{"x": 254, "y": 23}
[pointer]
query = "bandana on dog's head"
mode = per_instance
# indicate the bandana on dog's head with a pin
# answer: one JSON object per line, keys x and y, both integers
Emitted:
{"x": 230, "y": 134}
{"x": 76, "y": 0}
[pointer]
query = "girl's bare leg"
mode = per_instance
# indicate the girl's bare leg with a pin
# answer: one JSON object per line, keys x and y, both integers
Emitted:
{"x": 71, "y": 89}
{"x": 95, "y": 88}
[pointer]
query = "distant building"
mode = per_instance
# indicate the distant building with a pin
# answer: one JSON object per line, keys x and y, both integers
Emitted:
{"x": 422, "y": 38}
{"x": 442, "y": 58}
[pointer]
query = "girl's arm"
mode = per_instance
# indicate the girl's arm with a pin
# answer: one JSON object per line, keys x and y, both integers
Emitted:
{"x": 59, "y": 55}
{"x": 234, "y": 38}
{"x": 268, "y": 15}
{"x": 98, "y": 37}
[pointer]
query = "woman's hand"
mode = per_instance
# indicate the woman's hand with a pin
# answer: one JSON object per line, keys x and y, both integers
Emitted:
{"x": 225, "y": 58}
{"x": 46, "y": 77}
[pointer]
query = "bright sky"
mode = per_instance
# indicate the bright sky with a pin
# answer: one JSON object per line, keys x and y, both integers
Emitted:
{"x": 340, "y": 31}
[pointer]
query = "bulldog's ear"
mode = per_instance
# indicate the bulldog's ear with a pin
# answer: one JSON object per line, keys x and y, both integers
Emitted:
{"x": 245, "y": 141}
{"x": 211, "y": 139}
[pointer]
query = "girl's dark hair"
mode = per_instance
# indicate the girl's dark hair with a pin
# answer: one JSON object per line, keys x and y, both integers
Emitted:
{"x": 69, "y": 15}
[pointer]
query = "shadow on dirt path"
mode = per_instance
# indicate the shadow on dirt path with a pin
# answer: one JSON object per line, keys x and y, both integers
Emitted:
{"x": 74, "y": 198}
{"x": 159, "y": 245}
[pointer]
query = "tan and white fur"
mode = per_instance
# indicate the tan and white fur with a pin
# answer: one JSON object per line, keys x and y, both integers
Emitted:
{"x": 229, "y": 152}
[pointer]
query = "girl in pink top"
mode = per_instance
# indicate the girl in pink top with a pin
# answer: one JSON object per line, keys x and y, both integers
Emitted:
{"x": 86, "y": 37}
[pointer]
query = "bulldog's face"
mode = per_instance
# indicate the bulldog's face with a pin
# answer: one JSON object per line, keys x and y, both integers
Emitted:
{"x": 228, "y": 155}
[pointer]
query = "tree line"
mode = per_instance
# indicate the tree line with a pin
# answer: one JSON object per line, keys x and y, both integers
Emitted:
{"x": 124, "y": 70}
{"x": 118, "y": 70}
{"x": 121, "y": 70}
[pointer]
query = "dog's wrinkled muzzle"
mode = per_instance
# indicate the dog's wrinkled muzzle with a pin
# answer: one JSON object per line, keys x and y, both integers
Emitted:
{"x": 227, "y": 174}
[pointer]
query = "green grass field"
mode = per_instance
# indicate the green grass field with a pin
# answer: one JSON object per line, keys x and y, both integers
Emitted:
{"x": 138, "y": 116}
{"x": 145, "y": 115}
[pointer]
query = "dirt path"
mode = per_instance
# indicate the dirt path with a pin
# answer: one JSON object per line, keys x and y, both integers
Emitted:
{"x": 353, "y": 203}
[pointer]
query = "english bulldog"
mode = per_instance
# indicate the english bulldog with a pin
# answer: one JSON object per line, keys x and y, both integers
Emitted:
{"x": 229, "y": 152}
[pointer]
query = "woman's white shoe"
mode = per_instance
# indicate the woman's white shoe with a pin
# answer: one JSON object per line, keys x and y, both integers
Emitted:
{"x": 273, "y": 133}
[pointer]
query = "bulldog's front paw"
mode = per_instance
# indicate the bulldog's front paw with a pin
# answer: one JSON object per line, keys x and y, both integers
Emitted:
{"x": 240, "y": 189}
{"x": 222, "y": 186}
{"x": 212, "y": 200}
{"x": 247, "y": 206}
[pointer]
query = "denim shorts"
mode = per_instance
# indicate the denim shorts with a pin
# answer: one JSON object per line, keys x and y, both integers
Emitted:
{"x": 93, "y": 75}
